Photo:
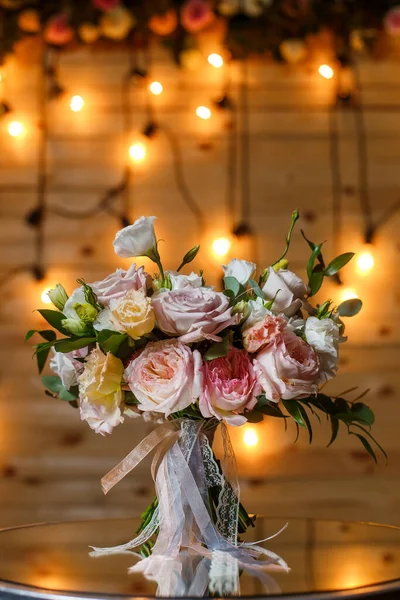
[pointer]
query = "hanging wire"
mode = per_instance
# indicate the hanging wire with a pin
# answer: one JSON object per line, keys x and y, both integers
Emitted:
{"x": 182, "y": 186}
{"x": 232, "y": 146}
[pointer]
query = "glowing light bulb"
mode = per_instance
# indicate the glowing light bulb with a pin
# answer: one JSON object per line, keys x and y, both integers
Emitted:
{"x": 326, "y": 71}
{"x": 203, "y": 112}
{"x": 365, "y": 262}
{"x": 15, "y": 129}
{"x": 348, "y": 294}
{"x": 156, "y": 88}
{"x": 221, "y": 246}
{"x": 215, "y": 60}
{"x": 137, "y": 152}
{"x": 250, "y": 437}
{"x": 77, "y": 103}
{"x": 45, "y": 296}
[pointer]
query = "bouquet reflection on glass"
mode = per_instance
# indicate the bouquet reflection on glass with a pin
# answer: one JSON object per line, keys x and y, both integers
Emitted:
{"x": 176, "y": 352}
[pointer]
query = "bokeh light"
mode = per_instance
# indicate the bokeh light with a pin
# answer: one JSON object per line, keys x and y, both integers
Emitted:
{"x": 326, "y": 71}
{"x": 203, "y": 112}
{"x": 221, "y": 246}
{"x": 77, "y": 103}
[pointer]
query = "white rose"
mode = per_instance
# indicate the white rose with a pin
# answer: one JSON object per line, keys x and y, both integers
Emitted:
{"x": 138, "y": 239}
{"x": 286, "y": 289}
{"x": 62, "y": 365}
{"x": 180, "y": 282}
{"x": 323, "y": 336}
{"x": 241, "y": 269}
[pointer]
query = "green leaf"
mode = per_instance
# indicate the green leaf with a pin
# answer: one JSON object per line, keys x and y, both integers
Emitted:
{"x": 90, "y": 296}
{"x": 30, "y": 334}
{"x": 48, "y": 334}
{"x": 52, "y": 383}
{"x": 42, "y": 352}
{"x": 253, "y": 416}
{"x": 231, "y": 283}
{"x": 130, "y": 398}
{"x": 366, "y": 445}
{"x": 311, "y": 261}
{"x": 230, "y": 295}
{"x": 70, "y": 344}
{"x": 217, "y": 350}
{"x": 256, "y": 289}
{"x": 270, "y": 409}
{"x": 373, "y": 439}
{"x": 54, "y": 318}
{"x": 293, "y": 409}
{"x": 295, "y": 217}
{"x": 338, "y": 263}
{"x": 350, "y": 308}
{"x": 309, "y": 242}
{"x": 334, "y": 428}
{"x": 306, "y": 420}
{"x": 110, "y": 341}
{"x": 362, "y": 412}
{"x": 315, "y": 281}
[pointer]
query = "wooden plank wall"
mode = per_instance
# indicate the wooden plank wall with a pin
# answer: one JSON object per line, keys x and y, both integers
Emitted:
{"x": 50, "y": 462}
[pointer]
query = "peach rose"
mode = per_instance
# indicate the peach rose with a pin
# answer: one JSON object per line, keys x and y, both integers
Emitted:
{"x": 288, "y": 368}
{"x": 263, "y": 333}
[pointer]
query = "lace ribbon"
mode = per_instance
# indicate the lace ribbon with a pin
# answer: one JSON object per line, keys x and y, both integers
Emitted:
{"x": 183, "y": 469}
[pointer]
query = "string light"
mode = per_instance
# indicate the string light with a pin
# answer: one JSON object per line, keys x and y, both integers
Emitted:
{"x": 203, "y": 112}
{"x": 215, "y": 60}
{"x": 250, "y": 437}
{"x": 326, "y": 71}
{"x": 77, "y": 103}
{"x": 365, "y": 262}
{"x": 137, "y": 152}
{"x": 15, "y": 129}
{"x": 221, "y": 246}
{"x": 45, "y": 296}
{"x": 156, "y": 88}
{"x": 348, "y": 294}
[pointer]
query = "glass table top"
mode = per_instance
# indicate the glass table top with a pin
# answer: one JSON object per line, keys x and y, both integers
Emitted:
{"x": 328, "y": 559}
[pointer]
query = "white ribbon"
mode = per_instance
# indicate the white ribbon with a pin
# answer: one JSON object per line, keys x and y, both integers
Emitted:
{"x": 182, "y": 467}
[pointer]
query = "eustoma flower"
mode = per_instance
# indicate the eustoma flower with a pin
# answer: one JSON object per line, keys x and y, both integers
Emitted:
{"x": 230, "y": 386}
{"x": 287, "y": 369}
{"x": 193, "y": 314}
{"x": 165, "y": 377}
{"x": 323, "y": 335}
{"x": 241, "y": 269}
{"x": 286, "y": 289}
{"x": 138, "y": 239}
{"x": 100, "y": 391}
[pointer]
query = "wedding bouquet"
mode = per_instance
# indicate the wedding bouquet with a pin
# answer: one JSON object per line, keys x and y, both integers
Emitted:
{"x": 171, "y": 349}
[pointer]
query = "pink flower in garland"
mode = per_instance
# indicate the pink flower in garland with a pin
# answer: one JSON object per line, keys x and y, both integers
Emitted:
{"x": 230, "y": 386}
{"x": 58, "y": 30}
{"x": 196, "y": 15}
{"x": 106, "y": 5}
{"x": 392, "y": 21}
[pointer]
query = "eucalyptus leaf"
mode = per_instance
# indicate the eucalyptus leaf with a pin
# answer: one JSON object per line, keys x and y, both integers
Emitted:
{"x": 53, "y": 383}
{"x": 338, "y": 263}
{"x": 350, "y": 308}
{"x": 217, "y": 350}
{"x": 67, "y": 395}
{"x": 256, "y": 289}
{"x": 232, "y": 284}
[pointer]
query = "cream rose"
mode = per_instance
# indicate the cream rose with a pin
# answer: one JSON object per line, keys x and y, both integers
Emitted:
{"x": 100, "y": 391}
{"x": 133, "y": 314}
{"x": 165, "y": 377}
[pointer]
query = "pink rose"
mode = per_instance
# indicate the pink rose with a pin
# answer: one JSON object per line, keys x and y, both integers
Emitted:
{"x": 58, "y": 31}
{"x": 105, "y": 5}
{"x": 165, "y": 377}
{"x": 287, "y": 369}
{"x": 196, "y": 14}
{"x": 263, "y": 333}
{"x": 392, "y": 21}
{"x": 230, "y": 386}
{"x": 116, "y": 285}
{"x": 193, "y": 314}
